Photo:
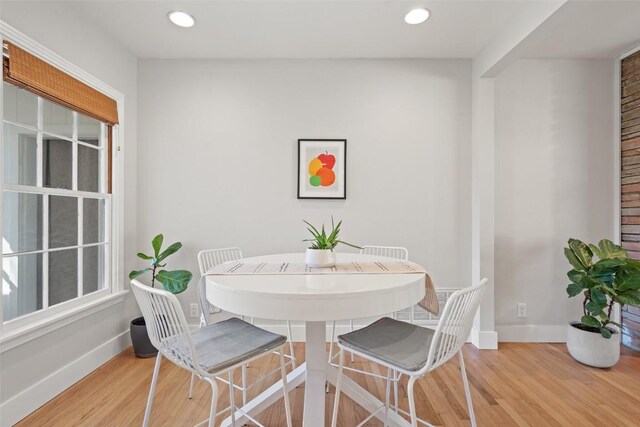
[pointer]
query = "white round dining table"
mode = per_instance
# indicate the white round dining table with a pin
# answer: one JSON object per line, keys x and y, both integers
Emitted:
{"x": 314, "y": 299}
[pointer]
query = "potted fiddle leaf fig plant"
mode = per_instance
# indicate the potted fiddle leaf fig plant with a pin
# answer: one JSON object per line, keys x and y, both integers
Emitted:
{"x": 605, "y": 276}
{"x": 175, "y": 281}
{"x": 321, "y": 254}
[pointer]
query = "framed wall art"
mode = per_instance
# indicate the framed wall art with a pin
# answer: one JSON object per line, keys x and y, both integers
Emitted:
{"x": 322, "y": 169}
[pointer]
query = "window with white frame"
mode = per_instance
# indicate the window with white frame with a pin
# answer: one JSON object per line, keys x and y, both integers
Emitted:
{"x": 55, "y": 204}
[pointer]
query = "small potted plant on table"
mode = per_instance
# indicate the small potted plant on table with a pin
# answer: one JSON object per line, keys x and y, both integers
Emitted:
{"x": 321, "y": 254}
{"x": 612, "y": 278}
{"x": 173, "y": 281}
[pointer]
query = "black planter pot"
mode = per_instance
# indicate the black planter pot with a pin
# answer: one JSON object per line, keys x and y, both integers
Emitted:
{"x": 142, "y": 346}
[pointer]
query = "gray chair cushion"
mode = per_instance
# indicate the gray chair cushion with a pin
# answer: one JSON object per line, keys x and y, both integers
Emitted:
{"x": 397, "y": 343}
{"x": 226, "y": 343}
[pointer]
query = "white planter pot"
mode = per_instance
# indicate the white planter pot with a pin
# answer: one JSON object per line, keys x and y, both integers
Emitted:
{"x": 591, "y": 348}
{"x": 320, "y": 258}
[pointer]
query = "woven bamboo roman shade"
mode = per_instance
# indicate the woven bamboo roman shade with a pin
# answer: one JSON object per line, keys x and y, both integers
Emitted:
{"x": 34, "y": 74}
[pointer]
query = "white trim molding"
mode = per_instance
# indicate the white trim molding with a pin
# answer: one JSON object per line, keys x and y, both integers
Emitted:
{"x": 26, "y": 329}
{"x": 49, "y": 324}
{"x": 30, "y": 399}
{"x": 532, "y": 333}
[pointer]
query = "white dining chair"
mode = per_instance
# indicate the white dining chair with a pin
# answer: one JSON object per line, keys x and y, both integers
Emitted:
{"x": 396, "y": 252}
{"x": 414, "y": 350}
{"x": 208, "y": 259}
{"x": 208, "y": 352}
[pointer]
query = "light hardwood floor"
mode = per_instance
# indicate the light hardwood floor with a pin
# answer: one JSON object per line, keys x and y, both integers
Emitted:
{"x": 519, "y": 385}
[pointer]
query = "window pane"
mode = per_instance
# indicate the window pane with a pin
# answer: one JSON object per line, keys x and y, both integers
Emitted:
{"x": 20, "y": 155}
{"x": 88, "y": 130}
{"x": 93, "y": 213}
{"x": 21, "y": 222}
{"x": 57, "y": 170}
{"x": 57, "y": 119}
{"x": 92, "y": 269}
{"x": 63, "y": 276}
{"x": 63, "y": 221}
{"x": 19, "y": 106}
{"x": 21, "y": 285}
{"x": 88, "y": 168}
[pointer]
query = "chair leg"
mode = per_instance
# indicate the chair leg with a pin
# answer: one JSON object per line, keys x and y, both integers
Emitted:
{"x": 336, "y": 400}
{"x": 387, "y": 398}
{"x": 193, "y": 380}
{"x": 331, "y": 341}
{"x": 251, "y": 319}
{"x": 467, "y": 391}
{"x": 291, "y": 350}
{"x": 152, "y": 390}
{"x": 396, "y": 379}
{"x": 244, "y": 384}
{"x": 285, "y": 389}
{"x": 411, "y": 315}
{"x": 351, "y": 330}
{"x": 232, "y": 399}
{"x": 412, "y": 402}
{"x": 214, "y": 402}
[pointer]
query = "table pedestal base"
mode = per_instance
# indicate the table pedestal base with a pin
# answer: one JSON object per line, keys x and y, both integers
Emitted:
{"x": 315, "y": 371}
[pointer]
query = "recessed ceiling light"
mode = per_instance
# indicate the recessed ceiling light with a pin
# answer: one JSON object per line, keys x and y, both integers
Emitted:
{"x": 417, "y": 16}
{"x": 182, "y": 19}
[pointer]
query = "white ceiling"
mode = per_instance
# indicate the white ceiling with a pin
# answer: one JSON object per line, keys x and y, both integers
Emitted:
{"x": 302, "y": 29}
{"x": 357, "y": 28}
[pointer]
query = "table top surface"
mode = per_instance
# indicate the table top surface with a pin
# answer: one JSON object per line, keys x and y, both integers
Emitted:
{"x": 319, "y": 285}
{"x": 315, "y": 297}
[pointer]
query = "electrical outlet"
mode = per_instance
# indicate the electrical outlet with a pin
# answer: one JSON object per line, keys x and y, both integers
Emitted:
{"x": 522, "y": 309}
{"x": 194, "y": 310}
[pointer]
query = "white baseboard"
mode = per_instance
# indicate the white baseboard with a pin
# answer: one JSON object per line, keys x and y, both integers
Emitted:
{"x": 532, "y": 333}
{"x": 27, "y": 401}
{"x": 484, "y": 340}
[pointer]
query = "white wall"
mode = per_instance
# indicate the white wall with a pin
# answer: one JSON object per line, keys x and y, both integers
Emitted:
{"x": 31, "y": 371}
{"x": 218, "y": 146}
{"x": 555, "y": 148}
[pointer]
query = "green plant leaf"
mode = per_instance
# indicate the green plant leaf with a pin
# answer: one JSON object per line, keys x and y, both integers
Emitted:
{"x": 611, "y": 250}
{"x": 607, "y": 266}
{"x": 174, "y": 281}
{"x": 633, "y": 263}
{"x": 598, "y": 296}
{"x": 629, "y": 297}
{"x": 605, "y": 332}
{"x": 581, "y": 251}
{"x": 573, "y": 260}
{"x": 157, "y": 244}
{"x": 143, "y": 256}
{"x": 348, "y": 244}
{"x": 628, "y": 278}
{"x": 170, "y": 251}
{"x": 574, "y": 289}
{"x": 596, "y": 250}
{"x": 334, "y": 233}
{"x": 137, "y": 273}
{"x": 589, "y": 282}
{"x": 590, "y": 321}
{"x": 315, "y": 231}
{"x": 576, "y": 276}
{"x": 594, "y": 308}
